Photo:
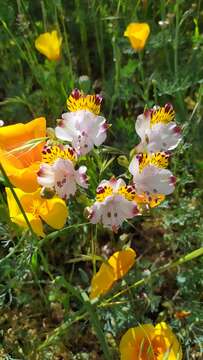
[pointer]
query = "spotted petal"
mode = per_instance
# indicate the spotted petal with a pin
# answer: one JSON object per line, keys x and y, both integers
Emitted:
{"x": 163, "y": 137}
{"x": 154, "y": 180}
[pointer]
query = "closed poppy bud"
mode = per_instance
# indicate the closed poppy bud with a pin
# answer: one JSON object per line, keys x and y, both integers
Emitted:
{"x": 114, "y": 269}
{"x": 49, "y": 44}
{"x": 137, "y": 34}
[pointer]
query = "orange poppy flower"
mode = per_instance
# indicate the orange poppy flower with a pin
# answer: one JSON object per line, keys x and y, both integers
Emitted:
{"x": 21, "y": 162}
{"x": 148, "y": 342}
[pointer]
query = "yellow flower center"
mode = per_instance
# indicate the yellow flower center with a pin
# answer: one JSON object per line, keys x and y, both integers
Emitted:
{"x": 159, "y": 159}
{"x": 128, "y": 192}
{"x": 151, "y": 349}
{"x": 79, "y": 101}
{"x": 103, "y": 192}
{"x": 160, "y": 347}
{"x": 34, "y": 207}
{"x": 162, "y": 115}
{"x": 51, "y": 153}
{"x": 154, "y": 200}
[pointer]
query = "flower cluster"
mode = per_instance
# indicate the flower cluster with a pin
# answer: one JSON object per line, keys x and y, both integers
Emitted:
{"x": 151, "y": 180}
{"x": 31, "y": 161}
{"x": 46, "y": 172}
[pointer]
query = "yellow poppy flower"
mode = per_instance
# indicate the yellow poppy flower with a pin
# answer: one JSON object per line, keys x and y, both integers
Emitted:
{"x": 116, "y": 267}
{"x": 20, "y": 163}
{"x": 137, "y": 34}
{"x": 53, "y": 211}
{"x": 49, "y": 44}
{"x": 148, "y": 342}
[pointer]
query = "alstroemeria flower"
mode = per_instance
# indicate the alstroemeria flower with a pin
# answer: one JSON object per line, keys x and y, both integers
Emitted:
{"x": 148, "y": 342}
{"x": 21, "y": 162}
{"x": 59, "y": 174}
{"x": 149, "y": 175}
{"x": 82, "y": 127}
{"x": 53, "y": 211}
{"x": 137, "y": 34}
{"x": 117, "y": 266}
{"x": 157, "y": 129}
{"x": 49, "y": 44}
{"x": 115, "y": 202}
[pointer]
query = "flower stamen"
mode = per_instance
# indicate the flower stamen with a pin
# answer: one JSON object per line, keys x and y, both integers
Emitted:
{"x": 51, "y": 153}
{"x": 159, "y": 159}
{"x": 103, "y": 192}
{"x": 128, "y": 192}
{"x": 163, "y": 115}
{"x": 79, "y": 101}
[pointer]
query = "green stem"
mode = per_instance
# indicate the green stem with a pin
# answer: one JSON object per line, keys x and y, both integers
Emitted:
{"x": 93, "y": 249}
{"x": 67, "y": 46}
{"x": 62, "y": 329}
{"x": 44, "y": 15}
{"x": 58, "y": 233}
{"x": 12, "y": 252}
{"x": 97, "y": 326}
{"x": 16, "y": 199}
{"x": 83, "y": 34}
{"x": 34, "y": 236}
{"x": 144, "y": 88}
{"x": 176, "y": 40}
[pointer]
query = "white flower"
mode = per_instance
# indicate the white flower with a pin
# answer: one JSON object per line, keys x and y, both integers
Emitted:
{"x": 114, "y": 204}
{"x": 157, "y": 130}
{"x": 62, "y": 177}
{"x": 149, "y": 176}
{"x": 83, "y": 129}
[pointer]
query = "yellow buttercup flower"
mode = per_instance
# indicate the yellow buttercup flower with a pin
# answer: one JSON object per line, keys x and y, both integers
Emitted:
{"x": 137, "y": 34}
{"x": 53, "y": 211}
{"x": 21, "y": 163}
{"x": 148, "y": 342}
{"x": 116, "y": 267}
{"x": 49, "y": 44}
